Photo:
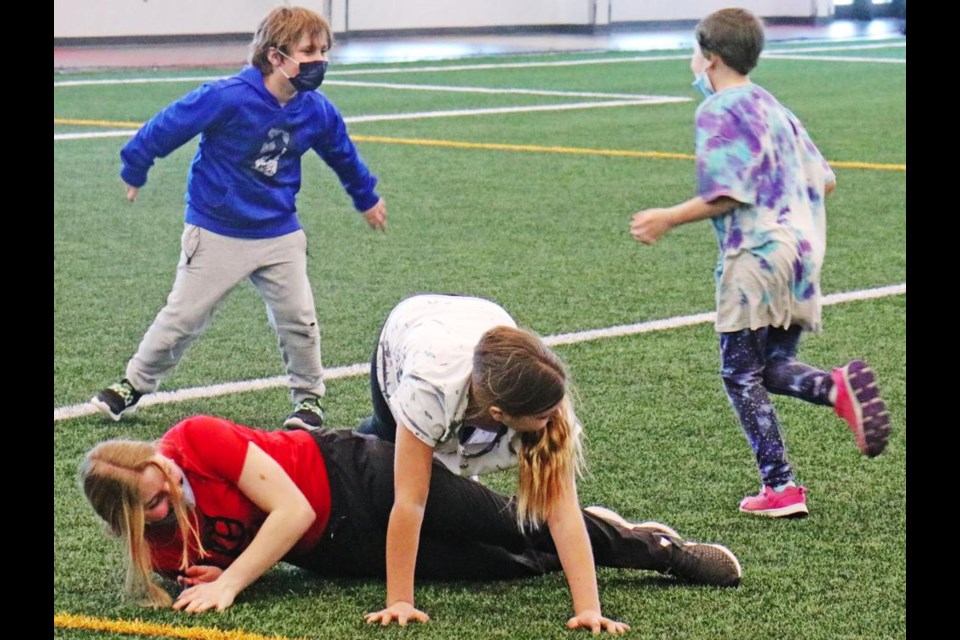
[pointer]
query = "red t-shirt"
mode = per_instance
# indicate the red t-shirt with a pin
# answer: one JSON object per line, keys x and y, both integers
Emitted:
{"x": 211, "y": 452}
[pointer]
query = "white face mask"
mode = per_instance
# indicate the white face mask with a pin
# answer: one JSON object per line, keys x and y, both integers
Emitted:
{"x": 188, "y": 498}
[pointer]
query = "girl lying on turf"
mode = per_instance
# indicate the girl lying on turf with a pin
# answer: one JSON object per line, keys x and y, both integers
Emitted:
{"x": 213, "y": 505}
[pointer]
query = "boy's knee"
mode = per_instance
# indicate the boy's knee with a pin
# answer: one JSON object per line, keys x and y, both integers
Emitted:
{"x": 306, "y": 326}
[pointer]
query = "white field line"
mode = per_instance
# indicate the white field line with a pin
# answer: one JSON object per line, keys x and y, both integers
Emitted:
{"x": 492, "y": 65}
{"x": 495, "y": 110}
{"x": 113, "y": 81}
{"x": 420, "y": 115}
{"x": 392, "y": 85}
{"x": 363, "y": 368}
{"x": 490, "y": 90}
{"x": 859, "y": 47}
{"x": 118, "y": 133}
{"x": 778, "y": 56}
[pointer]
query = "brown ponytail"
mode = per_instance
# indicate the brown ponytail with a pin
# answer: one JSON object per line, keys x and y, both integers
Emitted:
{"x": 514, "y": 370}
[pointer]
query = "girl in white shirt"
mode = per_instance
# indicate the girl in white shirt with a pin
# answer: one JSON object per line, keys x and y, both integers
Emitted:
{"x": 454, "y": 378}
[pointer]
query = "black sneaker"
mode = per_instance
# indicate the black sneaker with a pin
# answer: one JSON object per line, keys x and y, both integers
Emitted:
{"x": 308, "y": 415}
{"x": 700, "y": 563}
{"x": 117, "y": 400}
{"x": 689, "y": 561}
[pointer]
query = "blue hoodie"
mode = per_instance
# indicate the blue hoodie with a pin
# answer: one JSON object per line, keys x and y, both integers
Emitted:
{"x": 244, "y": 179}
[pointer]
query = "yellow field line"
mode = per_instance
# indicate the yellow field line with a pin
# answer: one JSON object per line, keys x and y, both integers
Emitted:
{"x": 492, "y": 146}
{"x": 137, "y": 627}
{"x": 522, "y": 147}
{"x": 97, "y": 123}
{"x": 586, "y": 152}
{"x": 868, "y": 165}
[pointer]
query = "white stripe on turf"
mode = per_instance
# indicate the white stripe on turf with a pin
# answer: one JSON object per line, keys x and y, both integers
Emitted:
{"x": 333, "y": 373}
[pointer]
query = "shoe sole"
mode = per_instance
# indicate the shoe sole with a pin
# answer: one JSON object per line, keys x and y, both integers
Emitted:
{"x": 791, "y": 511}
{"x": 105, "y": 408}
{"x": 730, "y": 577}
{"x": 297, "y": 423}
{"x": 612, "y": 516}
{"x": 731, "y": 557}
{"x": 871, "y": 421}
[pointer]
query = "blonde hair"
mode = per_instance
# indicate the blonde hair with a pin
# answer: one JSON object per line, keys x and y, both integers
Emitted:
{"x": 282, "y": 29}
{"x": 514, "y": 370}
{"x": 110, "y": 478}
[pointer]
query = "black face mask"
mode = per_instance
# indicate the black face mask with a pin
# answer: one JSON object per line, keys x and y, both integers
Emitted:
{"x": 310, "y": 75}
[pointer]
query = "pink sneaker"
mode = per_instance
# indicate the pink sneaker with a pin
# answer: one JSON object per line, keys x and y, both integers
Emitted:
{"x": 859, "y": 404}
{"x": 791, "y": 502}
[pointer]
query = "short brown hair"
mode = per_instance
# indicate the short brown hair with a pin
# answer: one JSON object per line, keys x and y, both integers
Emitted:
{"x": 736, "y": 35}
{"x": 282, "y": 29}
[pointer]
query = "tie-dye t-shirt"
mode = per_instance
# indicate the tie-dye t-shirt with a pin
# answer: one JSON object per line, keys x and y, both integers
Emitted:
{"x": 754, "y": 150}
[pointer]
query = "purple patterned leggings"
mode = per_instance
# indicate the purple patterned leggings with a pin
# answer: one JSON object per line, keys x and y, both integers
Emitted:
{"x": 755, "y": 362}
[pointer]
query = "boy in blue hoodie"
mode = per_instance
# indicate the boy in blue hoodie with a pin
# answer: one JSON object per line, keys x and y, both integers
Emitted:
{"x": 241, "y": 217}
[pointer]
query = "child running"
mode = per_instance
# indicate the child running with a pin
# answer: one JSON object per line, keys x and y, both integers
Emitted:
{"x": 241, "y": 217}
{"x": 762, "y": 182}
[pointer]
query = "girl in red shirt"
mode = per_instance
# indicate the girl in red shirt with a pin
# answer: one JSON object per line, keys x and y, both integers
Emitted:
{"x": 214, "y": 504}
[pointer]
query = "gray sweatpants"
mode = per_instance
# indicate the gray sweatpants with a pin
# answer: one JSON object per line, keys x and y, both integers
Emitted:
{"x": 210, "y": 266}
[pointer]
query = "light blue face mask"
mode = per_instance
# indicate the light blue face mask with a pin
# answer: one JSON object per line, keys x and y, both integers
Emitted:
{"x": 703, "y": 84}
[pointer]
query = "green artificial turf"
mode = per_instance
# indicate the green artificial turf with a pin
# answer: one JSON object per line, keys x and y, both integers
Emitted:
{"x": 546, "y": 235}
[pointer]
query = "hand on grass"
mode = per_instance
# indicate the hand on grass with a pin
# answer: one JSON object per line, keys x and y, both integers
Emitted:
{"x": 594, "y": 621}
{"x": 401, "y": 612}
{"x": 199, "y": 573}
{"x": 132, "y": 192}
{"x": 204, "y": 596}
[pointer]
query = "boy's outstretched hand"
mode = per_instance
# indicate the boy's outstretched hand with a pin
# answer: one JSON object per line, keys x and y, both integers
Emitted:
{"x": 648, "y": 225}
{"x": 401, "y": 612}
{"x": 376, "y": 216}
{"x": 131, "y": 192}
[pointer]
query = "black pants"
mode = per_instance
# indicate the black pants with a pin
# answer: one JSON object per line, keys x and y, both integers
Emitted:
{"x": 381, "y": 423}
{"x": 469, "y": 532}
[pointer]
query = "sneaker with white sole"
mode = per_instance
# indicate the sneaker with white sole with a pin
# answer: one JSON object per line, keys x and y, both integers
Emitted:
{"x": 307, "y": 415}
{"x": 789, "y": 503}
{"x": 612, "y": 516}
{"x": 859, "y": 404}
{"x": 700, "y": 563}
{"x": 695, "y": 562}
{"x": 117, "y": 400}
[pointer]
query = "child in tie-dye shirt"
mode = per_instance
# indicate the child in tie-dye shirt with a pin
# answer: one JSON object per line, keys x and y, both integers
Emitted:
{"x": 762, "y": 183}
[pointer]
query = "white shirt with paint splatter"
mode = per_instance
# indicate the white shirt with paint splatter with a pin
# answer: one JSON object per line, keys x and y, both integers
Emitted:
{"x": 424, "y": 362}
